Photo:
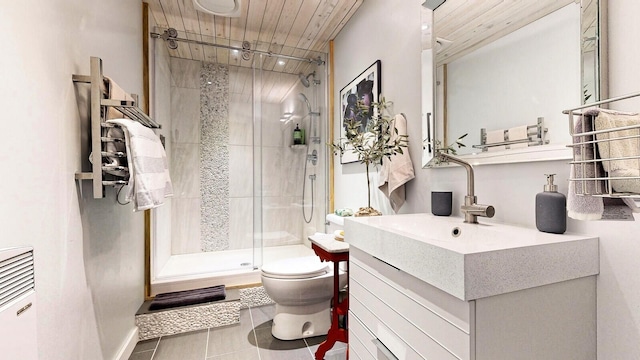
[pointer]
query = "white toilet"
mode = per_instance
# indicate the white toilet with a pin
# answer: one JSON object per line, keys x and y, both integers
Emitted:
{"x": 302, "y": 289}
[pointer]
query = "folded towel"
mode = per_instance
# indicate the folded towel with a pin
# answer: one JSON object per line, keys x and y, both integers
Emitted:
{"x": 115, "y": 92}
{"x": 188, "y": 297}
{"x": 519, "y": 133}
{"x": 398, "y": 170}
{"x": 630, "y": 147}
{"x": 581, "y": 202}
{"x": 581, "y": 205}
{"x": 495, "y": 136}
{"x": 149, "y": 182}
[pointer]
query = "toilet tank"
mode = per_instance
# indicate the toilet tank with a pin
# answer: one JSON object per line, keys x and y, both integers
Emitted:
{"x": 333, "y": 223}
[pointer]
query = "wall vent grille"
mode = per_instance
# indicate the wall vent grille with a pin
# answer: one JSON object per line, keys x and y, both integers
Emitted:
{"x": 16, "y": 277}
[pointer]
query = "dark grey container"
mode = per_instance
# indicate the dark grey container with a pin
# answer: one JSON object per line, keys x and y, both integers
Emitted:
{"x": 551, "y": 209}
{"x": 441, "y": 203}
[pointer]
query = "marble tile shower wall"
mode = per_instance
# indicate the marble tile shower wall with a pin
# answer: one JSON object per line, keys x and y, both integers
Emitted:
{"x": 185, "y": 156}
{"x": 220, "y": 134}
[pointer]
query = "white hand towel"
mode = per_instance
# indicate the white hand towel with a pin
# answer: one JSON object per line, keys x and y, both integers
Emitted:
{"x": 398, "y": 170}
{"x": 149, "y": 182}
{"x": 495, "y": 136}
{"x": 519, "y": 133}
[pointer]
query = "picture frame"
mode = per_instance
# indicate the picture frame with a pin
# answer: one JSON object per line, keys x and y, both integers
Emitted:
{"x": 366, "y": 87}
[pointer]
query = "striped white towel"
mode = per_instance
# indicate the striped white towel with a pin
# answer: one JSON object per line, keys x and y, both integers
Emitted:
{"x": 149, "y": 180}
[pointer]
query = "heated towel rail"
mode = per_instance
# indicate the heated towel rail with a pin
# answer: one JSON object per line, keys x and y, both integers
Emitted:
{"x": 606, "y": 159}
{"x": 102, "y": 173}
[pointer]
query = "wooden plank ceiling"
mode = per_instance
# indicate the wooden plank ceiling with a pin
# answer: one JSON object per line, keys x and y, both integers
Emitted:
{"x": 466, "y": 25}
{"x": 301, "y": 28}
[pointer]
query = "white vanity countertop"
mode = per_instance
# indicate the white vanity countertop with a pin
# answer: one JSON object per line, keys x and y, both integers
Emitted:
{"x": 483, "y": 260}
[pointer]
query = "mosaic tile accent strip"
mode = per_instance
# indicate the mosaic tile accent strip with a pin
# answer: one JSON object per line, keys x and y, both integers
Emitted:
{"x": 255, "y": 296}
{"x": 214, "y": 157}
{"x": 176, "y": 321}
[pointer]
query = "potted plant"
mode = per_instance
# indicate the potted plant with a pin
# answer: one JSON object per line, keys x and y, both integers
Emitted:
{"x": 371, "y": 143}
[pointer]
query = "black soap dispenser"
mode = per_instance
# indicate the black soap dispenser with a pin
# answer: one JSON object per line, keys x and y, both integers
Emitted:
{"x": 551, "y": 209}
{"x": 297, "y": 136}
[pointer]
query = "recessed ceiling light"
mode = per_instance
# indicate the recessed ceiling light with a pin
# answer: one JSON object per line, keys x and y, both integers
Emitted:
{"x": 280, "y": 62}
{"x": 230, "y": 8}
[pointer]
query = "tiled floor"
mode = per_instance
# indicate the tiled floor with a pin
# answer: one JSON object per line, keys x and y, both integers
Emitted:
{"x": 249, "y": 340}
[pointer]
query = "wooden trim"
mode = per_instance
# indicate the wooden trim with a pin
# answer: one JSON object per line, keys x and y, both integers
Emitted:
{"x": 145, "y": 108}
{"x": 147, "y": 255}
{"x": 331, "y": 128}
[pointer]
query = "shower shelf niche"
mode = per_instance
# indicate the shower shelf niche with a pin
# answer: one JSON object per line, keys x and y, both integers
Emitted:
{"x": 103, "y": 174}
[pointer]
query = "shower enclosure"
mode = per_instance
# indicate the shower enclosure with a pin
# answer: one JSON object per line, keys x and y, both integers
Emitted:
{"x": 244, "y": 194}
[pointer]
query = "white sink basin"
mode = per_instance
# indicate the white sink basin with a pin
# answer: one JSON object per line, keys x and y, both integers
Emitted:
{"x": 471, "y": 261}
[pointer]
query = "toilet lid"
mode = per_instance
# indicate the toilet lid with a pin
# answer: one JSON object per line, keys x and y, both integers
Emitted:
{"x": 295, "y": 268}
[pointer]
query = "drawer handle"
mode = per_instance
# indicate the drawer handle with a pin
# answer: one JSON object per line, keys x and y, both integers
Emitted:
{"x": 386, "y": 352}
{"x": 386, "y": 263}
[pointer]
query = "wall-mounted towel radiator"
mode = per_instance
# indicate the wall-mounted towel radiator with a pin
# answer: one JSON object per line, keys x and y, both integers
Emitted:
{"x": 17, "y": 304}
{"x": 100, "y": 99}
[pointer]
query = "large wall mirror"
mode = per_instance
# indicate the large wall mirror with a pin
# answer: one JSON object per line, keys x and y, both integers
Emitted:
{"x": 509, "y": 67}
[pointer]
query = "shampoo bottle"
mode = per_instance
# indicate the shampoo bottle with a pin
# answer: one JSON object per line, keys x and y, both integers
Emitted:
{"x": 551, "y": 209}
{"x": 297, "y": 136}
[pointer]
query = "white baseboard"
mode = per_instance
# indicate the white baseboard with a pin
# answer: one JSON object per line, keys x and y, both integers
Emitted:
{"x": 127, "y": 348}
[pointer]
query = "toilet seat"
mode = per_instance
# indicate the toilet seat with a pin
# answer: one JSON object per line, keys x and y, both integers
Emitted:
{"x": 296, "y": 268}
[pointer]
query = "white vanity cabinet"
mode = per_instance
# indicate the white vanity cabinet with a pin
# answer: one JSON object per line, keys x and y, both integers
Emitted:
{"x": 394, "y": 315}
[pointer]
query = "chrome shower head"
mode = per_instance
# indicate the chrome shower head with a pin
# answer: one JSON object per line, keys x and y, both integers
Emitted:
{"x": 305, "y": 79}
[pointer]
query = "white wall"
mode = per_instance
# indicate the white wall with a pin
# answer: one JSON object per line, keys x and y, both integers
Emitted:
{"x": 391, "y": 33}
{"x": 89, "y": 268}
{"x": 510, "y": 188}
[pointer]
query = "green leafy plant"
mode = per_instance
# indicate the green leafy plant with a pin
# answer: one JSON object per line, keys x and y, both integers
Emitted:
{"x": 585, "y": 94}
{"x": 372, "y": 145}
{"x": 451, "y": 148}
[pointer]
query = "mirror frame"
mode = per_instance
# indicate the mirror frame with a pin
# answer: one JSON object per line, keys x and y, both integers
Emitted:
{"x": 593, "y": 17}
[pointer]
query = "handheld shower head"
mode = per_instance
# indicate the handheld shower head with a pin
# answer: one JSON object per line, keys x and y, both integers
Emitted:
{"x": 304, "y": 98}
{"x": 304, "y": 79}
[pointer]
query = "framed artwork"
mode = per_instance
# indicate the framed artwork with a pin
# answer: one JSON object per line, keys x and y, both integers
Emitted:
{"x": 366, "y": 88}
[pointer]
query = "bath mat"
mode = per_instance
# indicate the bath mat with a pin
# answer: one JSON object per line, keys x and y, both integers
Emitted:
{"x": 188, "y": 297}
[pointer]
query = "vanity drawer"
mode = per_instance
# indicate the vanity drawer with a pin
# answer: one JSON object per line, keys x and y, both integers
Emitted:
{"x": 360, "y": 340}
{"x": 414, "y": 319}
{"x": 384, "y": 334}
{"x": 385, "y": 322}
